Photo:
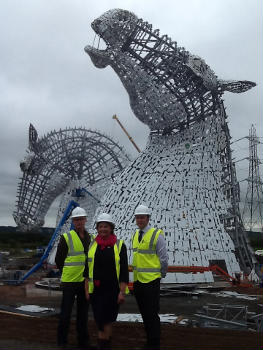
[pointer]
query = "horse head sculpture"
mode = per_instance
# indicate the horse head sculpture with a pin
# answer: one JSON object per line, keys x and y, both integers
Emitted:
{"x": 53, "y": 163}
{"x": 169, "y": 88}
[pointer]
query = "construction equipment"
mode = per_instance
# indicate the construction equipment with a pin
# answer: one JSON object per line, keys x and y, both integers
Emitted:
{"x": 80, "y": 192}
{"x": 230, "y": 317}
{"x": 72, "y": 204}
{"x": 126, "y": 132}
{"x": 213, "y": 268}
{"x": 201, "y": 269}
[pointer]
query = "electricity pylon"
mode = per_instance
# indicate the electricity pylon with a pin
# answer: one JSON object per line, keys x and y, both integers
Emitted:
{"x": 252, "y": 212}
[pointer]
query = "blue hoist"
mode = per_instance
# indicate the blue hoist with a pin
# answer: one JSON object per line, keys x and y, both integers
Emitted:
{"x": 79, "y": 192}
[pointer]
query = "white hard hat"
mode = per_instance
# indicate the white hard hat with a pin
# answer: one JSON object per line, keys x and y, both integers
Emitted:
{"x": 104, "y": 217}
{"x": 78, "y": 212}
{"x": 142, "y": 210}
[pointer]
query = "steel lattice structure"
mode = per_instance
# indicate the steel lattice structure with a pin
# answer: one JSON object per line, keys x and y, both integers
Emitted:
{"x": 252, "y": 212}
{"x": 185, "y": 174}
{"x": 61, "y": 162}
{"x": 182, "y": 84}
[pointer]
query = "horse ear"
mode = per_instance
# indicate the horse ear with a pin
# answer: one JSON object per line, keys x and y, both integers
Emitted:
{"x": 32, "y": 136}
{"x": 236, "y": 86}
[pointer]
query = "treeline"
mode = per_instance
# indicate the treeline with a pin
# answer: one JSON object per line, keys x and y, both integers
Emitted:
{"x": 23, "y": 240}
{"x": 255, "y": 239}
{"x": 10, "y": 237}
{"x": 256, "y": 242}
{"x": 14, "y": 229}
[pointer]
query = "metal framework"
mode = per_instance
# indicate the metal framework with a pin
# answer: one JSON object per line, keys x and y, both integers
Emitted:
{"x": 185, "y": 174}
{"x": 168, "y": 87}
{"x": 229, "y": 316}
{"x": 252, "y": 214}
{"x": 60, "y": 163}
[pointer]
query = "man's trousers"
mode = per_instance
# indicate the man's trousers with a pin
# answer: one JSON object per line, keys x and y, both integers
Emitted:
{"x": 70, "y": 292}
{"x": 148, "y": 299}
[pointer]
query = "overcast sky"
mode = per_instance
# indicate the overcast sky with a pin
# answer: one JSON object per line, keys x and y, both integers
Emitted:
{"x": 48, "y": 80}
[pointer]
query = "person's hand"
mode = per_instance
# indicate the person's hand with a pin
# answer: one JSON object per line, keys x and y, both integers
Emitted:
{"x": 87, "y": 289}
{"x": 121, "y": 298}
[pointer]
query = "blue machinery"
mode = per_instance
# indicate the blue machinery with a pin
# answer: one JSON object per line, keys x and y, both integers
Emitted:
{"x": 72, "y": 204}
{"x": 79, "y": 192}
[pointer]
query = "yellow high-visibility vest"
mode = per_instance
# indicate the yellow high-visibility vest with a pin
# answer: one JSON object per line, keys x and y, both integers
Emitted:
{"x": 91, "y": 254}
{"x": 75, "y": 261}
{"x": 146, "y": 263}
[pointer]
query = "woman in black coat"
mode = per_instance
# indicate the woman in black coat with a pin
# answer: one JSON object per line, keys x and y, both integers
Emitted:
{"x": 106, "y": 278}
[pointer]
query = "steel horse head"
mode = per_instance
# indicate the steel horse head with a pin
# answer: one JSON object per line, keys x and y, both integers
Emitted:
{"x": 53, "y": 162}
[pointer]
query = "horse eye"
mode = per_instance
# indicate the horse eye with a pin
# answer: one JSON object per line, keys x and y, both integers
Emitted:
{"x": 122, "y": 17}
{"x": 23, "y": 166}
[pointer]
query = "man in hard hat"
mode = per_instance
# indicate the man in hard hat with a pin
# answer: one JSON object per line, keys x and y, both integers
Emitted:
{"x": 150, "y": 262}
{"x": 70, "y": 259}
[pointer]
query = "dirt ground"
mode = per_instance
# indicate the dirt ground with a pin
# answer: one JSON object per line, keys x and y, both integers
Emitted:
{"x": 19, "y": 332}
{"x": 40, "y": 333}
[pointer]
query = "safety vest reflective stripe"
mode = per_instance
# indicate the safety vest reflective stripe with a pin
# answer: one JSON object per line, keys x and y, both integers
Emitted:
{"x": 148, "y": 269}
{"x": 145, "y": 251}
{"x": 75, "y": 253}
{"x": 153, "y": 238}
{"x": 71, "y": 251}
{"x": 70, "y": 243}
{"x": 75, "y": 263}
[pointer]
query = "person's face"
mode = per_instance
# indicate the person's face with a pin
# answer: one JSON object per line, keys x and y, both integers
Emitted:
{"x": 79, "y": 223}
{"x": 142, "y": 221}
{"x": 104, "y": 229}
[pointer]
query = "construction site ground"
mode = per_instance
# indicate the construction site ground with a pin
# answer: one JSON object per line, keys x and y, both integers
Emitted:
{"x": 19, "y": 332}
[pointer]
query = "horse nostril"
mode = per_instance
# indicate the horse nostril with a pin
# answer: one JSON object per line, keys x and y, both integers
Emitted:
{"x": 97, "y": 22}
{"x": 22, "y": 166}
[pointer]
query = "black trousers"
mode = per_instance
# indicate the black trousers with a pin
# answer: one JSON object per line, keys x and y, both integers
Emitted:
{"x": 71, "y": 292}
{"x": 148, "y": 299}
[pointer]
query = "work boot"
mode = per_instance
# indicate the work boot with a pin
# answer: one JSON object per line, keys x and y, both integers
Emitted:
{"x": 91, "y": 347}
{"x": 154, "y": 344}
{"x": 104, "y": 344}
{"x": 86, "y": 346}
